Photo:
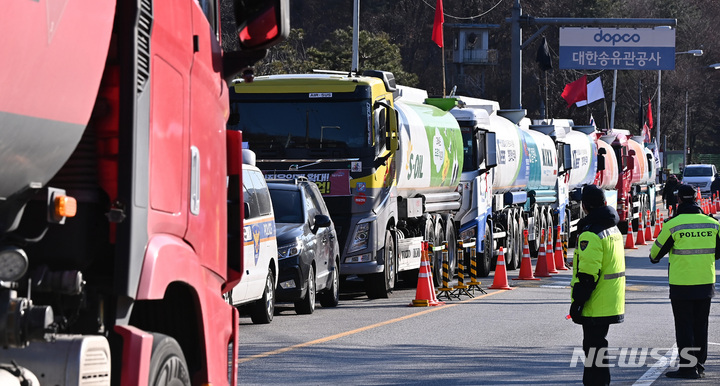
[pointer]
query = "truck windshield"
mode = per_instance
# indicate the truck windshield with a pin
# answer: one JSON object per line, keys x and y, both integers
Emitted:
{"x": 703, "y": 171}
{"x": 304, "y": 124}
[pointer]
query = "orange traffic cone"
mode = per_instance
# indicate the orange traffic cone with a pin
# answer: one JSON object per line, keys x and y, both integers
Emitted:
{"x": 670, "y": 211}
{"x": 658, "y": 224}
{"x": 717, "y": 202}
{"x": 541, "y": 266}
{"x": 629, "y": 242}
{"x": 648, "y": 228}
{"x": 526, "y": 272}
{"x": 500, "y": 280}
{"x": 559, "y": 260}
{"x": 640, "y": 240}
{"x": 425, "y": 292}
{"x": 550, "y": 258}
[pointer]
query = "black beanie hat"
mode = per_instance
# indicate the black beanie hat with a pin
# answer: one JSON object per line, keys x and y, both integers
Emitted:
{"x": 687, "y": 192}
{"x": 593, "y": 197}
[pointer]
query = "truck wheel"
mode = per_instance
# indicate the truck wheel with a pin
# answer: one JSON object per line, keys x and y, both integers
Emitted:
{"x": 518, "y": 247}
{"x": 540, "y": 225}
{"x": 483, "y": 257}
{"x": 380, "y": 285}
{"x": 510, "y": 235}
{"x": 264, "y": 308}
{"x": 306, "y": 305}
{"x": 437, "y": 259}
{"x": 167, "y": 362}
{"x": 451, "y": 237}
{"x": 331, "y": 296}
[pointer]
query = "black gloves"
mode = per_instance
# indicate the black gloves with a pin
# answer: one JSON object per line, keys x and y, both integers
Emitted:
{"x": 655, "y": 261}
{"x": 576, "y": 312}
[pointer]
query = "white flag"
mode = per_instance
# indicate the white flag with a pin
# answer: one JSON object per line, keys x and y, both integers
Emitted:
{"x": 594, "y": 92}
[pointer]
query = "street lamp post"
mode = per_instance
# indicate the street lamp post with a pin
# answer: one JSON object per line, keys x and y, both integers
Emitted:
{"x": 657, "y": 125}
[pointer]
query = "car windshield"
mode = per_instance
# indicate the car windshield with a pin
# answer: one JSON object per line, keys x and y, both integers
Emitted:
{"x": 300, "y": 124}
{"x": 287, "y": 205}
{"x": 703, "y": 171}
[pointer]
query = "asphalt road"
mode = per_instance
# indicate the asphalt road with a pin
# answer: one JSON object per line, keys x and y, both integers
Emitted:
{"x": 504, "y": 337}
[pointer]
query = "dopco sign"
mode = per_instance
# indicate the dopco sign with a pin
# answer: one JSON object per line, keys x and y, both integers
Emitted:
{"x": 617, "y": 48}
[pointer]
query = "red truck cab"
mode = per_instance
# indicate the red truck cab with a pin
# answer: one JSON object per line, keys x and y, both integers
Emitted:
{"x": 118, "y": 240}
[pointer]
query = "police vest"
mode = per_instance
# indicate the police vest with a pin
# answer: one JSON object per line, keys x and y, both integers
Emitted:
{"x": 692, "y": 257}
{"x": 602, "y": 255}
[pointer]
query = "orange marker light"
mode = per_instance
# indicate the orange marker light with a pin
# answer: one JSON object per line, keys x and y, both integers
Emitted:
{"x": 65, "y": 206}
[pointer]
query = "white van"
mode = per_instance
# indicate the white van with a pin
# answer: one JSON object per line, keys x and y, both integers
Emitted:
{"x": 701, "y": 176}
{"x": 256, "y": 288}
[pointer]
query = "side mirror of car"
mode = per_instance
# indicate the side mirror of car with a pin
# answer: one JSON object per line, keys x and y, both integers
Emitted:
{"x": 321, "y": 221}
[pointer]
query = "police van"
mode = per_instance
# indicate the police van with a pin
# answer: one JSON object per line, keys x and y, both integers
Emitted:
{"x": 255, "y": 292}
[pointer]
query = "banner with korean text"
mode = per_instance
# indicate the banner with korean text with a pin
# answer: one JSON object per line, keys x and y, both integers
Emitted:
{"x": 617, "y": 48}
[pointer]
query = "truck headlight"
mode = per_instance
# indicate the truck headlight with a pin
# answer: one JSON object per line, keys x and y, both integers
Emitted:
{"x": 290, "y": 250}
{"x": 360, "y": 237}
{"x": 469, "y": 233}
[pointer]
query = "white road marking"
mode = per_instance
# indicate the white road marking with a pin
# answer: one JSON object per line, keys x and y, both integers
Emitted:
{"x": 658, "y": 368}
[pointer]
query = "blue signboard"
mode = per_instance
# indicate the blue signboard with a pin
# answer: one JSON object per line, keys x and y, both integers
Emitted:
{"x": 617, "y": 48}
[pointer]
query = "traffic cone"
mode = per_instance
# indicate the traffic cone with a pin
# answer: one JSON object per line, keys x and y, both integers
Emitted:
{"x": 541, "y": 266}
{"x": 629, "y": 242}
{"x": 526, "y": 272}
{"x": 717, "y": 202}
{"x": 670, "y": 211}
{"x": 550, "y": 258}
{"x": 648, "y": 228}
{"x": 559, "y": 260}
{"x": 425, "y": 292}
{"x": 500, "y": 280}
{"x": 658, "y": 224}
{"x": 640, "y": 240}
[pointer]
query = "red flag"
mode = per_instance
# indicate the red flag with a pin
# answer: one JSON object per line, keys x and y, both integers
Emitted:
{"x": 649, "y": 115}
{"x": 437, "y": 35}
{"x": 575, "y": 91}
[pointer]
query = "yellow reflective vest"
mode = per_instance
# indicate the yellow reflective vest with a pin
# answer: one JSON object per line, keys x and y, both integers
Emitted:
{"x": 602, "y": 255}
{"x": 692, "y": 237}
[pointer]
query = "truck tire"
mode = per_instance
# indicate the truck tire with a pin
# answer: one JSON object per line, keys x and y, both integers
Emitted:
{"x": 436, "y": 257}
{"x": 264, "y": 308}
{"x": 306, "y": 305}
{"x": 381, "y": 285}
{"x": 331, "y": 296}
{"x": 483, "y": 257}
{"x": 451, "y": 238}
{"x": 167, "y": 362}
{"x": 510, "y": 242}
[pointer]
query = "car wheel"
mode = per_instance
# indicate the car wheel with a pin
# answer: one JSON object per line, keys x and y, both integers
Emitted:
{"x": 167, "y": 362}
{"x": 264, "y": 308}
{"x": 331, "y": 296}
{"x": 483, "y": 256}
{"x": 381, "y": 285}
{"x": 306, "y": 305}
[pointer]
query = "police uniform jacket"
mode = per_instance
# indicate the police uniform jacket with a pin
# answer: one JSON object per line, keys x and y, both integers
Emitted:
{"x": 598, "y": 281}
{"x": 691, "y": 238}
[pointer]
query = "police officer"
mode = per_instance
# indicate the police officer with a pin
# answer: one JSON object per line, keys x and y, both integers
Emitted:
{"x": 598, "y": 282}
{"x": 691, "y": 239}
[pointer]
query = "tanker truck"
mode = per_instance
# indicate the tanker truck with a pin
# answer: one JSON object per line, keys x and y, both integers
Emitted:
{"x": 387, "y": 163}
{"x": 636, "y": 190}
{"x": 512, "y": 184}
{"x": 117, "y": 239}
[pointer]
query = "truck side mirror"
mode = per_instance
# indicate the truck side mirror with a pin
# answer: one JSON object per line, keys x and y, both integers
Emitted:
{"x": 601, "y": 160}
{"x": 392, "y": 132}
{"x": 261, "y": 23}
{"x": 567, "y": 156}
{"x": 490, "y": 150}
{"x": 321, "y": 221}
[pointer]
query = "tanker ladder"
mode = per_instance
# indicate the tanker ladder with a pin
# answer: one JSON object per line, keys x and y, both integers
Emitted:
{"x": 473, "y": 284}
{"x": 445, "y": 291}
